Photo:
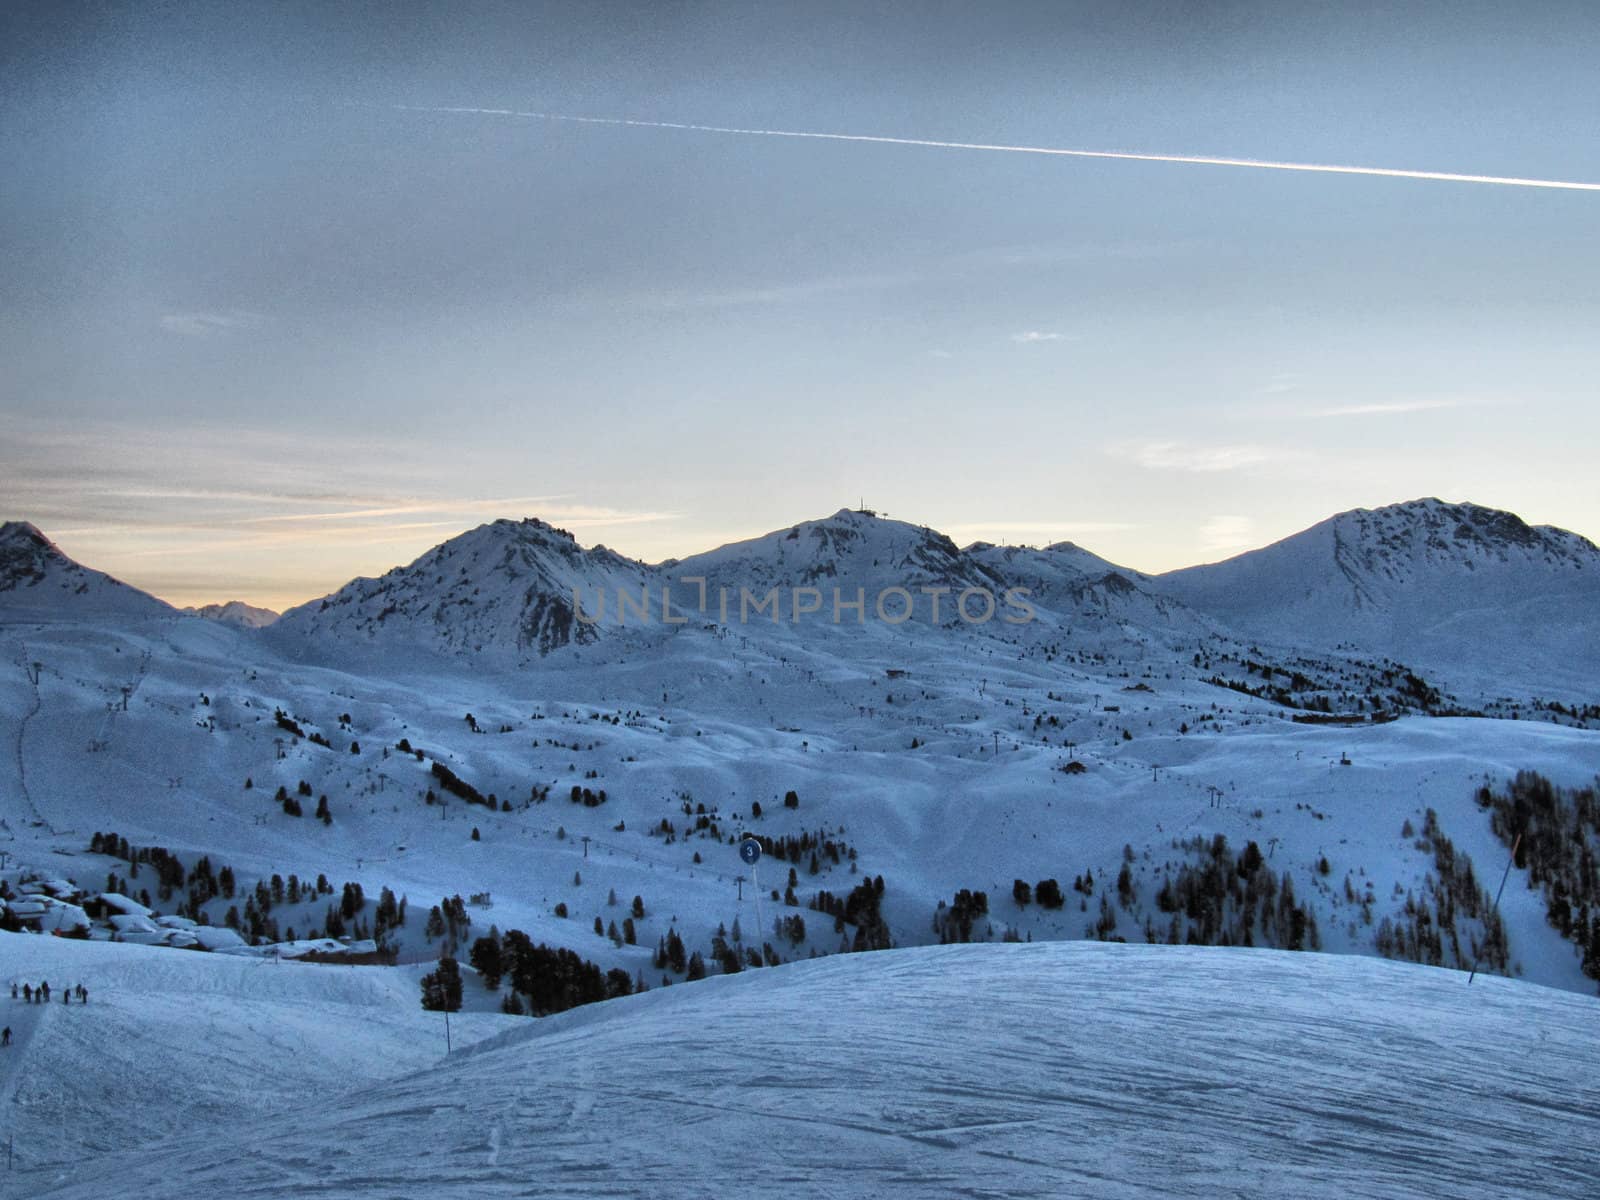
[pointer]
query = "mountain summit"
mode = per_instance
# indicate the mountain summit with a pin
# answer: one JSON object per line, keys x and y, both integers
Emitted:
{"x": 507, "y": 585}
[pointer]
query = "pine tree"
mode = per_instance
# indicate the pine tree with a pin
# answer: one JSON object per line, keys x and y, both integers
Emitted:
{"x": 488, "y": 960}
{"x": 441, "y": 988}
{"x": 675, "y": 952}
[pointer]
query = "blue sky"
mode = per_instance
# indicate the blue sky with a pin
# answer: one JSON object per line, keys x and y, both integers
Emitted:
{"x": 266, "y": 327}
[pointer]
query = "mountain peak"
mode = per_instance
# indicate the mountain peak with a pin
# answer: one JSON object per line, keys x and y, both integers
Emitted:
{"x": 24, "y": 533}
{"x": 507, "y": 584}
{"x": 36, "y": 574}
{"x": 236, "y": 612}
{"x": 1462, "y": 530}
{"x": 1427, "y": 580}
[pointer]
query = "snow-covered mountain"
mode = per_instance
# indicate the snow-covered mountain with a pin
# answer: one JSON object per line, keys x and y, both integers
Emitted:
{"x": 505, "y": 587}
{"x": 523, "y": 589}
{"x": 850, "y": 550}
{"x": 1437, "y": 583}
{"x": 38, "y": 581}
{"x": 236, "y": 612}
{"x": 1073, "y": 583}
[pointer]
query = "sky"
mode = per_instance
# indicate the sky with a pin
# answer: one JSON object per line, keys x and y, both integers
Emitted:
{"x": 271, "y": 319}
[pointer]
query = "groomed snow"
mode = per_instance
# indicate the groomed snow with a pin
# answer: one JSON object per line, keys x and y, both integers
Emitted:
{"x": 183, "y": 1043}
{"x": 995, "y": 1071}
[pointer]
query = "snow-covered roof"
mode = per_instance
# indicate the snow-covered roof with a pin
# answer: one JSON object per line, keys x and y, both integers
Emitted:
{"x": 215, "y": 937}
{"x": 124, "y": 904}
{"x": 153, "y": 937}
{"x": 64, "y": 916}
{"x": 125, "y": 923}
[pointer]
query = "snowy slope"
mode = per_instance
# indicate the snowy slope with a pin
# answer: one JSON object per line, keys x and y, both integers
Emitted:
{"x": 901, "y": 768}
{"x": 993, "y": 1071}
{"x": 1442, "y": 584}
{"x": 173, "y": 1043}
{"x": 39, "y": 582}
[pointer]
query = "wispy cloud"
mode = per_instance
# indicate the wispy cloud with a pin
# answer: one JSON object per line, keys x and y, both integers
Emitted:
{"x": 1182, "y": 456}
{"x": 204, "y": 324}
{"x": 1297, "y": 398}
{"x": 757, "y": 294}
{"x": 1035, "y": 335}
{"x": 1387, "y": 407}
{"x": 1280, "y": 384}
{"x": 949, "y": 267}
{"x": 1020, "y": 530}
{"x": 595, "y": 517}
{"x": 499, "y": 506}
{"x": 244, "y": 505}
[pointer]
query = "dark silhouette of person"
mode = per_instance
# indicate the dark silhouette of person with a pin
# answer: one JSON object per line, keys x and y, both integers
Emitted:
{"x": 5, "y": 1036}
{"x": 27, "y": 993}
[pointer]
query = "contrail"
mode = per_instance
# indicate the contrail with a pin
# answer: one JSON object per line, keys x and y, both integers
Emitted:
{"x": 1202, "y": 159}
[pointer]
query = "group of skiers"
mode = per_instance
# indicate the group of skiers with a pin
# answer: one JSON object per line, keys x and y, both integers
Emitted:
{"x": 41, "y": 994}
{"x": 29, "y": 994}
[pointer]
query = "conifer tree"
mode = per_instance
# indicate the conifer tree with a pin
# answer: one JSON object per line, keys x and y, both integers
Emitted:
{"x": 441, "y": 988}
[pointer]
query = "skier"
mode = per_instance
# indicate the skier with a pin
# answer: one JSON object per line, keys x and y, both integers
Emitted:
{"x": 5, "y": 1036}
{"x": 27, "y": 994}
{"x": 13, "y": 991}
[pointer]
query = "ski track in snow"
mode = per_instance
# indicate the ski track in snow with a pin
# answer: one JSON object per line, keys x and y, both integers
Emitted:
{"x": 18, "y": 747}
